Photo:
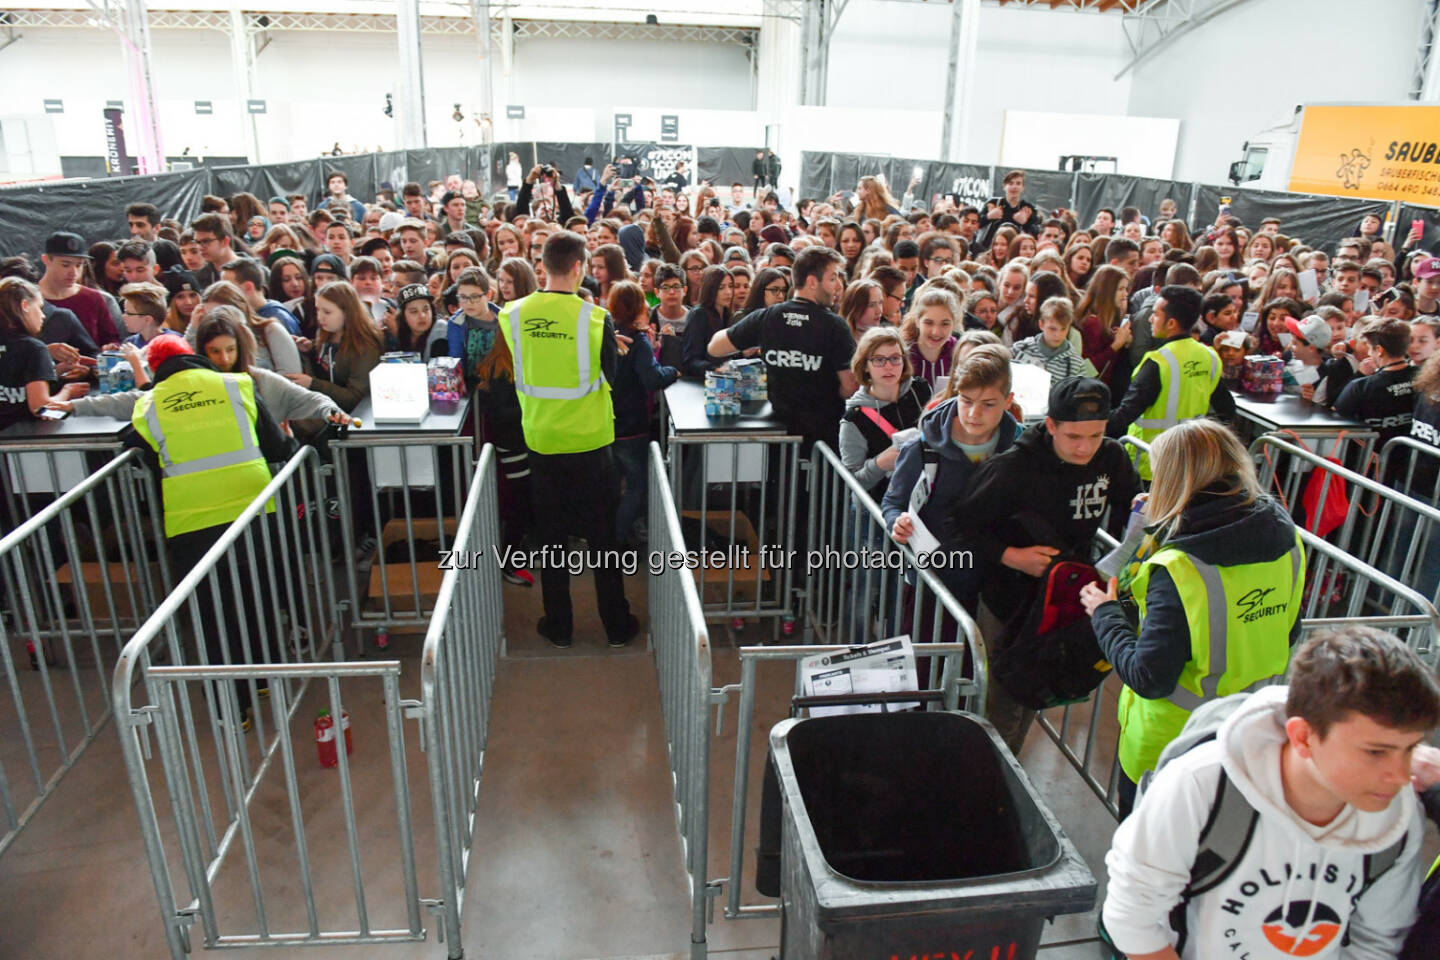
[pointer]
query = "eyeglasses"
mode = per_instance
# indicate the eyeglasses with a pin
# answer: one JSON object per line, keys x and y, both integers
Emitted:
{"x": 891, "y": 296}
{"x": 941, "y": 260}
{"x": 694, "y": 269}
{"x": 206, "y": 241}
{"x": 471, "y": 298}
{"x": 672, "y": 287}
{"x": 887, "y": 361}
{"x": 778, "y": 290}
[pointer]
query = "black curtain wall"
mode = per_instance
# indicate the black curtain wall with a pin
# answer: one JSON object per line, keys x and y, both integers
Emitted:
{"x": 96, "y": 208}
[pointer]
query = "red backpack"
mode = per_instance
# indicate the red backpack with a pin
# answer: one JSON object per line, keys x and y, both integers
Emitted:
{"x": 1048, "y": 656}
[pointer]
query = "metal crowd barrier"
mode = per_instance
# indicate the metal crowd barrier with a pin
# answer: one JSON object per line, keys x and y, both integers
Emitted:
{"x": 850, "y": 602}
{"x": 683, "y": 659}
{"x": 752, "y": 518}
{"x": 1390, "y": 534}
{"x": 1421, "y": 565}
{"x": 458, "y": 664}
{"x": 56, "y": 617}
{"x": 414, "y": 497}
{"x": 1341, "y": 590}
{"x": 32, "y": 476}
{"x": 274, "y": 561}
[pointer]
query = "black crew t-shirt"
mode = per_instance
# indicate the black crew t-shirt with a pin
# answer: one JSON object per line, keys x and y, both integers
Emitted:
{"x": 804, "y": 346}
{"x": 1384, "y": 400}
{"x": 23, "y": 360}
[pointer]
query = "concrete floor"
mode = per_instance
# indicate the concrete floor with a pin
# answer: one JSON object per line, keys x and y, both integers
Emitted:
{"x": 576, "y": 854}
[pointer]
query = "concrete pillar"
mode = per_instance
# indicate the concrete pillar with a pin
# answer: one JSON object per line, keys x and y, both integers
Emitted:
{"x": 411, "y": 105}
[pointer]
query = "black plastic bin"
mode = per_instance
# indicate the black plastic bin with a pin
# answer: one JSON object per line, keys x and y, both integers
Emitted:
{"x": 915, "y": 834}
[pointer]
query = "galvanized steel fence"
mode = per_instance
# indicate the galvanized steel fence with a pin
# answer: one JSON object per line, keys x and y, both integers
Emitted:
{"x": 78, "y": 571}
{"x": 233, "y": 788}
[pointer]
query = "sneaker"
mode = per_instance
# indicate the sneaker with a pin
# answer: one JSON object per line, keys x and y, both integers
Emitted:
{"x": 519, "y": 576}
{"x": 632, "y": 627}
{"x": 543, "y": 629}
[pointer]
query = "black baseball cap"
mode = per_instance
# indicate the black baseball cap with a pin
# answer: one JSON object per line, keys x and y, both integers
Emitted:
{"x": 411, "y": 292}
{"x": 1078, "y": 399}
{"x": 65, "y": 244}
{"x": 178, "y": 280}
{"x": 447, "y": 196}
{"x": 330, "y": 263}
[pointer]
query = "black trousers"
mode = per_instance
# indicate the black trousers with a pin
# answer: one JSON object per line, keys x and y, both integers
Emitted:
{"x": 186, "y": 551}
{"x": 577, "y": 494}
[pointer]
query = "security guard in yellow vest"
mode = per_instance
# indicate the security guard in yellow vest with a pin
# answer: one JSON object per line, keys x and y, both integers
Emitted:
{"x": 1179, "y": 380}
{"x": 211, "y": 440}
{"x": 565, "y": 351}
{"x": 1219, "y": 601}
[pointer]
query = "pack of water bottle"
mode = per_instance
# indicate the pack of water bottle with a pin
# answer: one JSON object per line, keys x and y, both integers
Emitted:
{"x": 114, "y": 372}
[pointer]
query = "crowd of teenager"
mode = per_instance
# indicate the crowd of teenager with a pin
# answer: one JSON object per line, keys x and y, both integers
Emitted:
{"x": 876, "y": 316}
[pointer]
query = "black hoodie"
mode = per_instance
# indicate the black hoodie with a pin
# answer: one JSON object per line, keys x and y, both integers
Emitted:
{"x": 274, "y": 445}
{"x": 1027, "y": 496}
{"x": 1222, "y": 531}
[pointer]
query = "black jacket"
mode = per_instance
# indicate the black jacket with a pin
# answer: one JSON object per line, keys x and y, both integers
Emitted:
{"x": 274, "y": 445}
{"x": 1027, "y": 496}
{"x": 1007, "y": 215}
{"x": 702, "y": 324}
{"x": 1145, "y": 388}
{"x": 1220, "y": 530}
{"x": 637, "y": 375}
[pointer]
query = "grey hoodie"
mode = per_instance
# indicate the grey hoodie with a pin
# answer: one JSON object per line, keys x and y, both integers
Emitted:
{"x": 1291, "y": 893}
{"x": 855, "y": 448}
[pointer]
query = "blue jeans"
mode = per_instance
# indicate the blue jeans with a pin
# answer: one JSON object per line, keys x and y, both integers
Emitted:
{"x": 632, "y": 457}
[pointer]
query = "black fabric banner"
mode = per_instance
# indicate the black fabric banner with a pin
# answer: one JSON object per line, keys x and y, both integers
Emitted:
{"x": 95, "y": 209}
{"x": 1096, "y": 190}
{"x": 1046, "y": 189}
{"x": 437, "y": 163}
{"x": 817, "y": 179}
{"x": 271, "y": 180}
{"x": 500, "y": 157}
{"x": 968, "y": 182}
{"x": 359, "y": 170}
{"x": 657, "y": 160}
{"x": 1428, "y": 216}
{"x": 391, "y": 168}
{"x": 1319, "y": 221}
{"x": 568, "y": 158}
{"x": 722, "y": 166}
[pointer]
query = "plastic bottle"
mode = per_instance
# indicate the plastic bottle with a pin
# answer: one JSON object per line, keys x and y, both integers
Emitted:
{"x": 325, "y": 737}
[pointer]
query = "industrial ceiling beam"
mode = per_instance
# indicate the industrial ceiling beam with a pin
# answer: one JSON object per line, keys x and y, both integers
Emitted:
{"x": 1155, "y": 25}
{"x": 259, "y": 21}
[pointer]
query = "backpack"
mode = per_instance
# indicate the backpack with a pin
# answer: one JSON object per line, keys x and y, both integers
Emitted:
{"x": 1048, "y": 655}
{"x": 1231, "y": 825}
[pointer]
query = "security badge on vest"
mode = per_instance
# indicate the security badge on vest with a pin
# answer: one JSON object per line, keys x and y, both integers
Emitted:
{"x": 201, "y": 425}
{"x": 1239, "y": 618}
{"x": 565, "y": 402}
{"x": 1189, "y": 372}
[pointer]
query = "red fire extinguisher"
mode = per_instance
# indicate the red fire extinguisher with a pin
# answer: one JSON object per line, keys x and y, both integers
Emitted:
{"x": 325, "y": 737}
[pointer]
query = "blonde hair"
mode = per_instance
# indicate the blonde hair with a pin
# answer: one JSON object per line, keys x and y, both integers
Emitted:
{"x": 872, "y": 340}
{"x": 934, "y": 297}
{"x": 1192, "y": 456}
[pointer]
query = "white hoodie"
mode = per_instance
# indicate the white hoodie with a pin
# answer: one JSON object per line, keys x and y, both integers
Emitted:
{"x": 1291, "y": 894}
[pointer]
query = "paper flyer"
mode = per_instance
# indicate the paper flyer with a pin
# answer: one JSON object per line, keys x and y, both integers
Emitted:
{"x": 885, "y": 666}
{"x": 921, "y": 539}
